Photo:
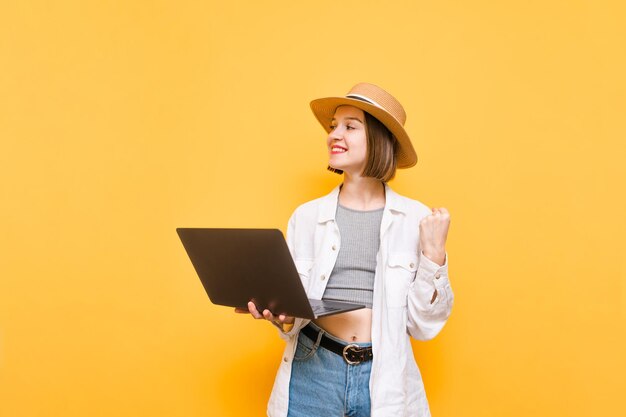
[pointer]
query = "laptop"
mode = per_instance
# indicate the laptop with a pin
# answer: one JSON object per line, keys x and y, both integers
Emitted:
{"x": 240, "y": 265}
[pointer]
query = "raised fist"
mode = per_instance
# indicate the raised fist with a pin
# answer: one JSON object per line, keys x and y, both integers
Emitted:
{"x": 433, "y": 234}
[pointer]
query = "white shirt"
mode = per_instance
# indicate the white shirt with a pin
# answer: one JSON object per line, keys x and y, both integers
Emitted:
{"x": 404, "y": 284}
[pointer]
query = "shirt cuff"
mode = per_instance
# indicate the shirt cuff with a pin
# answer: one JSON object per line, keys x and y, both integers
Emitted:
{"x": 431, "y": 271}
{"x": 290, "y": 329}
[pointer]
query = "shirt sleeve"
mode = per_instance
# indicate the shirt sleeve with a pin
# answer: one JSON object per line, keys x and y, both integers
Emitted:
{"x": 299, "y": 323}
{"x": 430, "y": 299}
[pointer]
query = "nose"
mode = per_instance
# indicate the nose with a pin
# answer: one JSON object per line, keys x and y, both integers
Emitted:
{"x": 336, "y": 133}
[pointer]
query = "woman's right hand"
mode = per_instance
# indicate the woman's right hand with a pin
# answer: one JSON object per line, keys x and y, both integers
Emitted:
{"x": 267, "y": 315}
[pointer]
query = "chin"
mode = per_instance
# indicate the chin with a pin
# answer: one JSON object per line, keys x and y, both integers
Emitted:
{"x": 335, "y": 166}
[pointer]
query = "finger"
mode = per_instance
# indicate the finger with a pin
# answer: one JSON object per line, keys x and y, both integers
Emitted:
{"x": 268, "y": 315}
{"x": 286, "y": 319}
{"x": 441, "y": 211}
{"x": 254, "y": 311}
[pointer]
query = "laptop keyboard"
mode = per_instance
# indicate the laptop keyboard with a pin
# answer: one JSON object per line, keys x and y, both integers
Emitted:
{"x": 322, "y": 309}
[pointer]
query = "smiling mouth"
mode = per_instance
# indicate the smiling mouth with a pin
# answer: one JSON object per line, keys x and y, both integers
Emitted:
{"x": 337, "y": 149}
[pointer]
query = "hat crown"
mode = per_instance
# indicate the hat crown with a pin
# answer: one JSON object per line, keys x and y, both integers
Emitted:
{"x": 380, "y": 98}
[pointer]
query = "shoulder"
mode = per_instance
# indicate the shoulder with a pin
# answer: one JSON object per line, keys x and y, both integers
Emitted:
{"x": 320, "y": 206}
{"x": 412, "y": 206}
{"x": 417, "y": 206}
{"x": 311, "y": 205}
{"x": 307, "y": 211}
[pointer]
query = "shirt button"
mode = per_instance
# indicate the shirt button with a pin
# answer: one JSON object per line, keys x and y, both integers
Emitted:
{"x": 323, "y": 277}
{"x": 437, "y": 275}
{"x": 285, "y": 359}
{"x": 411, "y": 265}
{"x": 334, "y": 247}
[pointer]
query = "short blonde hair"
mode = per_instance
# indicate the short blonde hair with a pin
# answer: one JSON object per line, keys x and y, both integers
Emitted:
{"x": 382, "y": 148}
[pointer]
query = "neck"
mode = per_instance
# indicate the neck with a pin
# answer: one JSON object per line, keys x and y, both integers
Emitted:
{"x": 362, "y": 193}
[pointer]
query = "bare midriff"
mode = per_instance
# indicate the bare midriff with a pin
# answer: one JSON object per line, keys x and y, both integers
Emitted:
{"x": 352, "y": 326}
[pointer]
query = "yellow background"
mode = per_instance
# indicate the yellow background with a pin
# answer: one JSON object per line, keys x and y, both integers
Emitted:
{"x": 120, "y": 121}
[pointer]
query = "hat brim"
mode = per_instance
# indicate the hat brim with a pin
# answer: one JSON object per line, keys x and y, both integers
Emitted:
{"x": 324, "y": 110}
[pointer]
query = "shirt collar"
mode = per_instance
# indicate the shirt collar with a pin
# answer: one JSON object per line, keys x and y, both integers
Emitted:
{"x": 328, "y": 207}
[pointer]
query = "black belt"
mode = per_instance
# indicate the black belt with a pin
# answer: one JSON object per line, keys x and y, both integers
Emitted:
{"x": 351, "y": 353}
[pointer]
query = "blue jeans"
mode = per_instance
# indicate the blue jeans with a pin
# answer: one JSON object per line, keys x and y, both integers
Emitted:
{"x": 323, "y": 384}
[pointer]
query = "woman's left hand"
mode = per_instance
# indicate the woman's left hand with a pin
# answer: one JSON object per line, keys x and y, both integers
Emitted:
{"x": 433, "y": 234}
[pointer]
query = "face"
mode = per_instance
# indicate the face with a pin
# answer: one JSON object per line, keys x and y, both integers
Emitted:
{"x": 347, "y": 140}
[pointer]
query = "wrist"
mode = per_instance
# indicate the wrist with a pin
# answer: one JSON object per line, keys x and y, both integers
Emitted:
{"x": 437, "y": 255}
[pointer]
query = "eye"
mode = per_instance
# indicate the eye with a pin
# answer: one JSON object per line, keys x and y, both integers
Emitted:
{"x": 332, "y": 127}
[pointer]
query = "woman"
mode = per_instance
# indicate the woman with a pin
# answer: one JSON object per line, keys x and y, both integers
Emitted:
{"x": 363, "y": 243}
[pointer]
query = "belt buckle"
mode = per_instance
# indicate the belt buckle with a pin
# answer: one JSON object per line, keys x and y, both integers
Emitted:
{"x": 345, "y": 354}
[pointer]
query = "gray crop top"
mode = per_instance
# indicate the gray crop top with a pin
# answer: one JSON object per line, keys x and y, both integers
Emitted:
{"x": 352, "y": 278}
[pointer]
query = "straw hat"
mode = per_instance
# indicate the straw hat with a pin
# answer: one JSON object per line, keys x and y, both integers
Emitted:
{"x": 378, "y": 103}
